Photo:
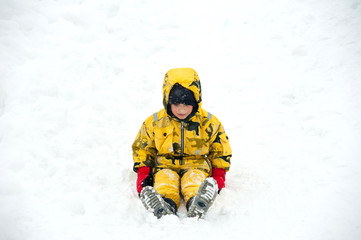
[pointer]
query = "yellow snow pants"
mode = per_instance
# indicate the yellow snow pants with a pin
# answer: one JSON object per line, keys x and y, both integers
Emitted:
{"x": 170, "y": 184}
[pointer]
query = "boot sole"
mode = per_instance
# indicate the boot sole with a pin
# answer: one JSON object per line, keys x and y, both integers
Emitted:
{"x": 154, "y": 202}
{"x": 204, "y": 199}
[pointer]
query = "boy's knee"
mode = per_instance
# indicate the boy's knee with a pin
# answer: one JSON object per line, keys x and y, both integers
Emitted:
{"x": 191, "y": 181}
{"x": 193, "y": 177}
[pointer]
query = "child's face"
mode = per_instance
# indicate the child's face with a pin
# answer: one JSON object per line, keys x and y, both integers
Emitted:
{"x": 181, "y": 111}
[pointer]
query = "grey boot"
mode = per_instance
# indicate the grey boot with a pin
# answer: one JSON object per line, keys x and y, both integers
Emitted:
{"x": 199, "y": 204}
{"x": 156, "y": 204}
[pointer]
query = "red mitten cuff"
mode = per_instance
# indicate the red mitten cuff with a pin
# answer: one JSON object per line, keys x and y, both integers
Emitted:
{"x": 143, "y": 173}
{"x": 219, "y": 174}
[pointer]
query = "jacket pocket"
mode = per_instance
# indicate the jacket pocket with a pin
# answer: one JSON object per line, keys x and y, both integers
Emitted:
{"x": 163, "y": 138}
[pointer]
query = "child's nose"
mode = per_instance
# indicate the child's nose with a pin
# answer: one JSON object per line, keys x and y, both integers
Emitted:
{"x": 182, "y": 109}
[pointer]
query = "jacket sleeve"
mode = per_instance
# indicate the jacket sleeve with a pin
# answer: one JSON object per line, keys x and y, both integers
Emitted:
{"x": 144, "y": 151}
{"x": 220, "y": 152}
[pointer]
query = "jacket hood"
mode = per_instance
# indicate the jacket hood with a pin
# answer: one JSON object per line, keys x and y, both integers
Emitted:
{"x": 188, "y": 78}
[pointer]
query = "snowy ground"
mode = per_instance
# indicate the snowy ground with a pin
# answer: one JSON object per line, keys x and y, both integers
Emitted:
{"x": 78, "y": 78}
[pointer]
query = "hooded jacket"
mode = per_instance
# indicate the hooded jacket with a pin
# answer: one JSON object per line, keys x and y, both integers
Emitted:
{"x": 199, "y": 141}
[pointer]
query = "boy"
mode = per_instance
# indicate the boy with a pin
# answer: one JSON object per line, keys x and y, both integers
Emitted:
{"x": 182, "y": 150}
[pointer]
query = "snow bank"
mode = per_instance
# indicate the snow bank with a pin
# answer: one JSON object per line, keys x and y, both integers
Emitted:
{"x": 79, "y": 77}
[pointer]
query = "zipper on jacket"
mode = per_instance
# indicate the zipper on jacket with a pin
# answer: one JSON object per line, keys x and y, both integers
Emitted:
{"x": 182, "y": 143}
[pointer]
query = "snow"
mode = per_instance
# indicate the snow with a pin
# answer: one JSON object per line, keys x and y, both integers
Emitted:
{"x": 78, "y": 78}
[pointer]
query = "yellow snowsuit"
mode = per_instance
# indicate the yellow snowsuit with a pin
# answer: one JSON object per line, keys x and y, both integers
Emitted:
{"x": 181, "y": 153}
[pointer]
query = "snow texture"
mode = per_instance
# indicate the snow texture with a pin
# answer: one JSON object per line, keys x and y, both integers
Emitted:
{"x": 78, "y": 78}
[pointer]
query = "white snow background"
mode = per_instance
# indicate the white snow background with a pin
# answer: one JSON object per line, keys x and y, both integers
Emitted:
{"x": 78, "y": 78}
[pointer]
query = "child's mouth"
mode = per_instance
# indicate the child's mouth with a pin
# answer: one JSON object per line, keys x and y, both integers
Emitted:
{"x": 182, "y": 115}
